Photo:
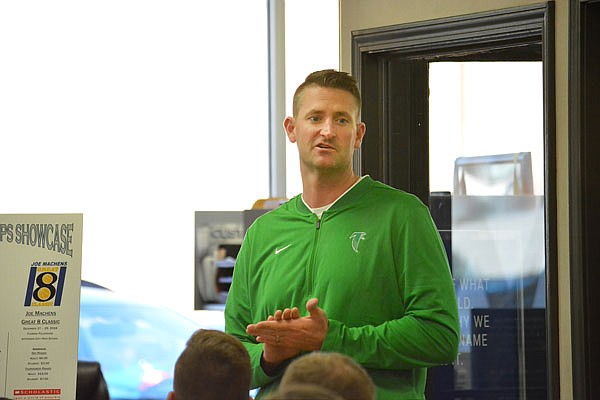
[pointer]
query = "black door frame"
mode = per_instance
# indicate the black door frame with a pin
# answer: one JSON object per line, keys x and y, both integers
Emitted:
{"x": 584, "y": 195}
{"x": 495, "y": 30}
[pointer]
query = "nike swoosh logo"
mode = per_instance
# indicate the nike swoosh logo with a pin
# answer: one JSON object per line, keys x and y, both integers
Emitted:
{"x": 277, "y": 251}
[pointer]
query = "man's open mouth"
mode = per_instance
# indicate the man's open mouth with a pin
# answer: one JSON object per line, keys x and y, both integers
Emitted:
{"x": 324, "y": 146}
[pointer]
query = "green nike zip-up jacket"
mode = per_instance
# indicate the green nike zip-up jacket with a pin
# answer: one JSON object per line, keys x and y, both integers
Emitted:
{"x": 377, "y": 265}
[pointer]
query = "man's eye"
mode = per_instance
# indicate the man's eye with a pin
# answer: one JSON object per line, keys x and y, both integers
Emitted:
{"x": 314, "y": 118}
{"x": 343, "y": 121}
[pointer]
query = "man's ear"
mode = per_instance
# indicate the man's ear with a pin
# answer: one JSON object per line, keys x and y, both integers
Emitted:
{"x": 171, "y": 395}
{"x": 290, "y": 129}
{"x": 361, "y": 129}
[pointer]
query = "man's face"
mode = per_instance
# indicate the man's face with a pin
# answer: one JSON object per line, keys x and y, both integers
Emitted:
{"x": 326, "y": 130}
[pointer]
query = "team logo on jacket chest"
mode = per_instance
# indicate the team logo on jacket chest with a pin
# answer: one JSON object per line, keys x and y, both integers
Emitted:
{"x": 356, "y": 237}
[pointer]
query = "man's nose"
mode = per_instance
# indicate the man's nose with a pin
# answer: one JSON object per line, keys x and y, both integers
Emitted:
{"x": 327, "y": 129}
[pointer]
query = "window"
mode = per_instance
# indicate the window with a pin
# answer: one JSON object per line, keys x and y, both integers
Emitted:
{"x": 307, "y": 50}
{"x": 482, "y": 141}
{"x": 137, "y": 114}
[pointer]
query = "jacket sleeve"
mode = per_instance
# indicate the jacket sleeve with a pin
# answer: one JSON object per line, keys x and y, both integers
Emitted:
{"x": 427, "y": 333}
{"x": 238, "y": 313}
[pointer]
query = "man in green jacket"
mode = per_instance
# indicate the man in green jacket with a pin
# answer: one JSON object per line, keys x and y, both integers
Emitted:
{"x": 351, "y": 265}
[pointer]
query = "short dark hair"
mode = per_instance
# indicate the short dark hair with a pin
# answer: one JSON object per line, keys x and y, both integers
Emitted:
{"x": 213, "y": 366}
{"x": 328, "y": 78}
{"x": 304, "y": 391}
{"x": 335, "y": 371}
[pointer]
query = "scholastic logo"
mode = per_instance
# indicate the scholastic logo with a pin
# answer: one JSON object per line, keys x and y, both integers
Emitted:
{"x": 45, "y": 285}
{"x": 28, "y": 392}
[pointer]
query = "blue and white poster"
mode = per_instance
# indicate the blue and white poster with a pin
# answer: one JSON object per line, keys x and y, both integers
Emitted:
{"x": 40, "y": 280}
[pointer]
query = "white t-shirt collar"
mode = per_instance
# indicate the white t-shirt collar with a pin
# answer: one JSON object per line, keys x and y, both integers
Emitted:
{"x": 320, "y": 210}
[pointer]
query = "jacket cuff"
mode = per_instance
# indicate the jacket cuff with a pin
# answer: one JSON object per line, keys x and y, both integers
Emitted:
{"x": 333, "y": 337}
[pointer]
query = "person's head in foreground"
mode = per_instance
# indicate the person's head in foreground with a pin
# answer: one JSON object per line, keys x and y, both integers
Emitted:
{"x": 213, "y": 366}
{"x": 304, "y": 391}
{"x": 334, "y": 371}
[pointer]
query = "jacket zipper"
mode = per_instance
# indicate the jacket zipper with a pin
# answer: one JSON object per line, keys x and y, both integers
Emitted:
{"x": 313, "y": 256}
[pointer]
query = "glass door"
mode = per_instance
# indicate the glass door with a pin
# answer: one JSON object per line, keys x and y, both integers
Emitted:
{"x": 486, "y": 168}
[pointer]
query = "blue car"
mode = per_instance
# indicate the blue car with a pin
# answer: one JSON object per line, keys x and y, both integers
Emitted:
{"x": 136, "y": 344}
